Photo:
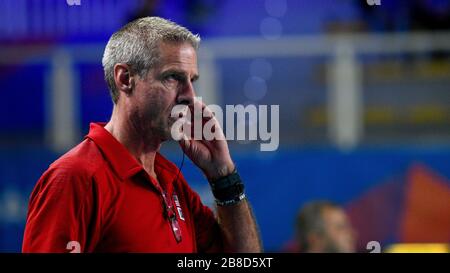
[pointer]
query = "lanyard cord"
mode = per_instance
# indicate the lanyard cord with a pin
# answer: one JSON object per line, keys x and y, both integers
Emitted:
{"x": 179, "y": 169}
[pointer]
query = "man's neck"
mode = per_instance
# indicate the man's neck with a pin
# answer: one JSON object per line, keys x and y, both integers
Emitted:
{"x": 135, "y": 142}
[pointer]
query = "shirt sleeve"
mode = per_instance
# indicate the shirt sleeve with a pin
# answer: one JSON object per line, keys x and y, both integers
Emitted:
{"x": 60, "y": 213}
{"x": 208, "y": 234}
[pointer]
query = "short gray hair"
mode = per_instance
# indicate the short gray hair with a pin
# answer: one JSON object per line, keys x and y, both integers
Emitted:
{"x": 136, "y": 44}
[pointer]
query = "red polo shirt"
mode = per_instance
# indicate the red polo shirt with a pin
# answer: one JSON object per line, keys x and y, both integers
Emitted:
{"x": 98, "y": 198}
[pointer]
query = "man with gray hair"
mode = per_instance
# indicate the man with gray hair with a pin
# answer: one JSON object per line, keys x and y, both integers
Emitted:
{"x": 114, "y": 192}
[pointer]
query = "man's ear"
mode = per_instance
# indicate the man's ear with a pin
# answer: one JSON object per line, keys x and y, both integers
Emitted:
{"x": 123, "y": 78}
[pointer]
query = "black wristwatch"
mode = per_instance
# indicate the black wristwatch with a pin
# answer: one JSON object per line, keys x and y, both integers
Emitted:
{"x": 228, "y": 190}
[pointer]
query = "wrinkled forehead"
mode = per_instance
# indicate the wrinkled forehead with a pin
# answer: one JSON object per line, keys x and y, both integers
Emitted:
{"x": 177, "y": 52}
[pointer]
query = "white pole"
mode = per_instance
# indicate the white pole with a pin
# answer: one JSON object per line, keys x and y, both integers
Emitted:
{"x": 62, "y": 124}
{"x": 345, "y": 114}
{"x": 208, "y": 85}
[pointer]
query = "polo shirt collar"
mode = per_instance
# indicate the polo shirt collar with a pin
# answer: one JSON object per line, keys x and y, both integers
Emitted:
{"x": 122, "y": 162}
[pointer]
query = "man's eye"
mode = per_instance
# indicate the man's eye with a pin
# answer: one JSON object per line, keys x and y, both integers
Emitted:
{"x": 174, "y": 77}
{"x": 173, "y": 81}
{"x": 170, "y": 78}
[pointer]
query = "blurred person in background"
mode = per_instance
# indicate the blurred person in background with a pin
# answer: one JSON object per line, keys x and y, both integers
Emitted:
{"x": 323, "y": 227}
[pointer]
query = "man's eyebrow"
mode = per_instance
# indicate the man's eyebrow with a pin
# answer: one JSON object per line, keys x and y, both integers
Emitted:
{"x": 173, "y": 71}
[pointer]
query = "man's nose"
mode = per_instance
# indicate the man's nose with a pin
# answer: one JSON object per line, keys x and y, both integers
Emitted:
{"x": 187, "y": 94}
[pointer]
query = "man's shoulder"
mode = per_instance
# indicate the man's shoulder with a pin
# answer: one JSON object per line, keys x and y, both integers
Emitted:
{"x": 72, "y": 174}
{"x": 82, "y": 160}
